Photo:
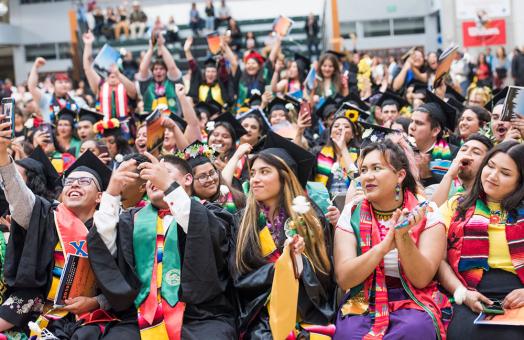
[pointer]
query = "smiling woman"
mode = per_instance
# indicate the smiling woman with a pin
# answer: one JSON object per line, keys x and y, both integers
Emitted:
{"x": 485, "y": 242}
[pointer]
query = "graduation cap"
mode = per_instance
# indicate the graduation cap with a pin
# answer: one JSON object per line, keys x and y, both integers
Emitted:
{"x": 456, "y": 104}
{"x": 266, "y": 126}
{"x": 67, "y": 115}
{"x": 351, "y": 112}
{"x": 355, "y": 99}
{"x": 89, "y": 115}
{"x": 419, "y": 87}
{"x": 182, "y": 124}
{"x": 88, "y": 162}
{"x": 298, "y": 159}
{"x": 372, "y": 133}
{"x": 441, "y": 111}
{"x": 303, "y": 64}
{"x": 328, "y": 107}
{"x": 452, "y": 93}
{"x": 210, "y": 62}
{"x": 197, "y": 153}
{"x": 211, "y": 107}
{"x": 285, "y": 104}
{"x": 497, "y": 99}
{"x": 255, "y": 98}
{"x": 293, "y": 100}
{"x": 388, "y": 98}
{"x": 40, "y": 163}
{"x": 337, "y": 54}
{"x": 228, "y": 118}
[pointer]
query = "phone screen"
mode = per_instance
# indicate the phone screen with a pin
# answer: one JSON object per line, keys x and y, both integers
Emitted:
{"x": 8, "y": 110}
{"x": 48, "y": 130}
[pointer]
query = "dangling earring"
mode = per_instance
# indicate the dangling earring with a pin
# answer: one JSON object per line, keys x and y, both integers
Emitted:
{"x": 397, "y": 192}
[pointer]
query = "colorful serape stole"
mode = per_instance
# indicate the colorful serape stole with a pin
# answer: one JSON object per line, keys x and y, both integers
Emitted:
{"x": 440, "y": 158}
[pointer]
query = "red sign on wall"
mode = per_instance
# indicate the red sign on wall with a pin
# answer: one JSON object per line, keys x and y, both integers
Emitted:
{"x": 493, "y": 32}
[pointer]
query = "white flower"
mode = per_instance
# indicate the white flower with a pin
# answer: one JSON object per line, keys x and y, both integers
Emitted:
{"x": 300, "y": 205}
{"x": 373, "y": 138}
{"x": 29, "y": 123}
{"x": 255, "y": 91}
{"x": 290, "y": 107}
{"x": 224, "y": 190}
{"x": 119, "y": 158}
{"x": 210, "y": 126}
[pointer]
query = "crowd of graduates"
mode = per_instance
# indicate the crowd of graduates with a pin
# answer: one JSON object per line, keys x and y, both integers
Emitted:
{"x": 288, "y": 199}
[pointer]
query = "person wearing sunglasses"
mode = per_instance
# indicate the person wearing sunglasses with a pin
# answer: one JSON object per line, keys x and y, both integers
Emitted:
{"x": 43, "y": 233}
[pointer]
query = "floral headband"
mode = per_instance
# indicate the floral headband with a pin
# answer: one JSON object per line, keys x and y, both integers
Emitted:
{"x": 196, "y": 150}
{"x": 103, "y": 125}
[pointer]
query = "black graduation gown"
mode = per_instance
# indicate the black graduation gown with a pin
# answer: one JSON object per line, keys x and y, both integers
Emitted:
{"x": 316, "y": 294}
{"x": 29, "y": 264}
{"x": 205, "y": 284}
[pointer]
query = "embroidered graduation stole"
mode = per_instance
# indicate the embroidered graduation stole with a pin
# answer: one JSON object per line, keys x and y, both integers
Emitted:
{"x": 159, "y": 271}
{"x": 240, "y": 166}
{"x": 62, "y": 161}
{"x": 325, "y": 161}
{"x": 469, "y": 256}
{"x": 440, "y": 158}
{"x": 72, "y": 235}
{"x": 113, "y": 101}
{"x": 58, "y": 104}
{"x": 152, "y": 100}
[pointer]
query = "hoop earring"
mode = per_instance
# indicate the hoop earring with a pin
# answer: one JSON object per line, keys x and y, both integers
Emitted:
{"x": 397, "y": 192}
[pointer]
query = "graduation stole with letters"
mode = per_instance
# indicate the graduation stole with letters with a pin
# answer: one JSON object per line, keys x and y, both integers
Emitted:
{"x": 72, "y": 235}
{"x": 113, "y": 101}
{"x": 161, "y": 314}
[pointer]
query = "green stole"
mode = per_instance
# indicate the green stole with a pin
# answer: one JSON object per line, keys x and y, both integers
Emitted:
{"x": 151, "y": 100}
{"x": 144, "y": 244}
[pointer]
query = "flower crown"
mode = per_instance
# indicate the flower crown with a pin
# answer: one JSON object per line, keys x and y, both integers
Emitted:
{"x": 103, "y": 125}
{"x": 195, "y": 150}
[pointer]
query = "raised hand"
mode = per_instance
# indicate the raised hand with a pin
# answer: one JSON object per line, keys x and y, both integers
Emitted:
{"x": 88, "y": 38}
{"x": 39, "y": 62}
{"x": 123, "y": 175}
{"x": 155, "y": 172}
{"x": 188, "y": 43}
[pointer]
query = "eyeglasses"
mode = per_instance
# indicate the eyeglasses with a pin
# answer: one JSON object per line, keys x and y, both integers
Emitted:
{"x": 82, "y": 181}
{"x": 203, "y": 177}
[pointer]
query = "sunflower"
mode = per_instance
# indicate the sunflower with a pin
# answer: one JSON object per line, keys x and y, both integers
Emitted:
{"x": 352, "y": 115}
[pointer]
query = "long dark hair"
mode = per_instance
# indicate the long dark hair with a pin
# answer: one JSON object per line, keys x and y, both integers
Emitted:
{"x": 515, "y": 151}
{"x": 354, "y": 142}
{"x": 396, "y": 158}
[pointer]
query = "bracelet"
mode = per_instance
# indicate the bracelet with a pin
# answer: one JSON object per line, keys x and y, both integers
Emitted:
{"x": 460, "y": 295}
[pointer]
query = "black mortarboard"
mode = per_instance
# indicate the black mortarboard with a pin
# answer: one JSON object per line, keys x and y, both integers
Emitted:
{"x": 89, "y": 115}
{"x": 419, "y": 87}
{"x": 66, "y": 114}
{"x": 452, "y": 93}
{"x": 292, "y": 100}
{"x": 456, "y": 104}
{"x": 182, "y": 124}
{"x": 266, "y": 126}
{"x": 255, "y": 98}
{"x": 497, "y": 99}
{"x": 211, "y": 107}
{"x": 300, "y": 58}
{"x": 228, "y": 118}
{"x": 444, "y": 113}
{"x": 339, "y": 55}
{"x": 90, "y": 163}
{"x": 277, "y": 103}
{"x": 40, "y": 163}
{"x": 210, "y": 62}
{"x": 329, "y": 106}
{"x": 388, "y": 98}
{"x": 298, "y": 159}
{"x": 352, "y": 112}
{"x": 372, "y": 133}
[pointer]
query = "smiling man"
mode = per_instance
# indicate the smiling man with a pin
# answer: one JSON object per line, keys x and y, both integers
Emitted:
{"x": 43, "y": 234}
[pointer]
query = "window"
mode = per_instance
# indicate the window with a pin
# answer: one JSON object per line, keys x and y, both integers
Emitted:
{"x": 376, "y": 28}
{"x": 64, "y": 50}
{"x": 27, "y": 2}
{"x": 408, "y": 26}
{"x": 348, "y": 27}
{"x": 47, "y": 51}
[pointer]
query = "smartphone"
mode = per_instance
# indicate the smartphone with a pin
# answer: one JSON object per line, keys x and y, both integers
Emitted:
{"x": 8, "y": 110}
{"x": 268, "y": 88}
{"x": 405, "y": 221}
{"x": 103, "y": 148}
{"x": 46, "y": 128}
{"x": 495, "y": 309}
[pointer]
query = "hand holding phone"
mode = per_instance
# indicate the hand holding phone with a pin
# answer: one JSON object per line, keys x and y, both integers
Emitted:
{"x": 405, "y": 222}
{"x": 8, "y": 111}
{"x": 495, "y": 309}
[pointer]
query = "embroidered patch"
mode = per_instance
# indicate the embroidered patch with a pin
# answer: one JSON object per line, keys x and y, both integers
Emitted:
{"x": 173, "y": 277}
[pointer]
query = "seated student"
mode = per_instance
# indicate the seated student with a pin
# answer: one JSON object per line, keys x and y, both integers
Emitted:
{"x": 278, "y": 175}
{"x": 485, "y": 233}
{"x": 37, "y": 249}
{"x": 224, "y": 131}
{"x": 463, "y": 169}
{"x": 472, "y": 120}
{"x": 208, "y": 184}
{"x": 168, "y": 260}
{"x": 390, "y": 105}
{"x": 389, "y": 272}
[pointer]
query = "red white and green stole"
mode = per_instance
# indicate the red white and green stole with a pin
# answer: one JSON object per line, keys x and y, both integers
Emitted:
{"x": 113, "y": 101}
{"x": 468, "y": 243}
{"x": 159, "y": 270}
